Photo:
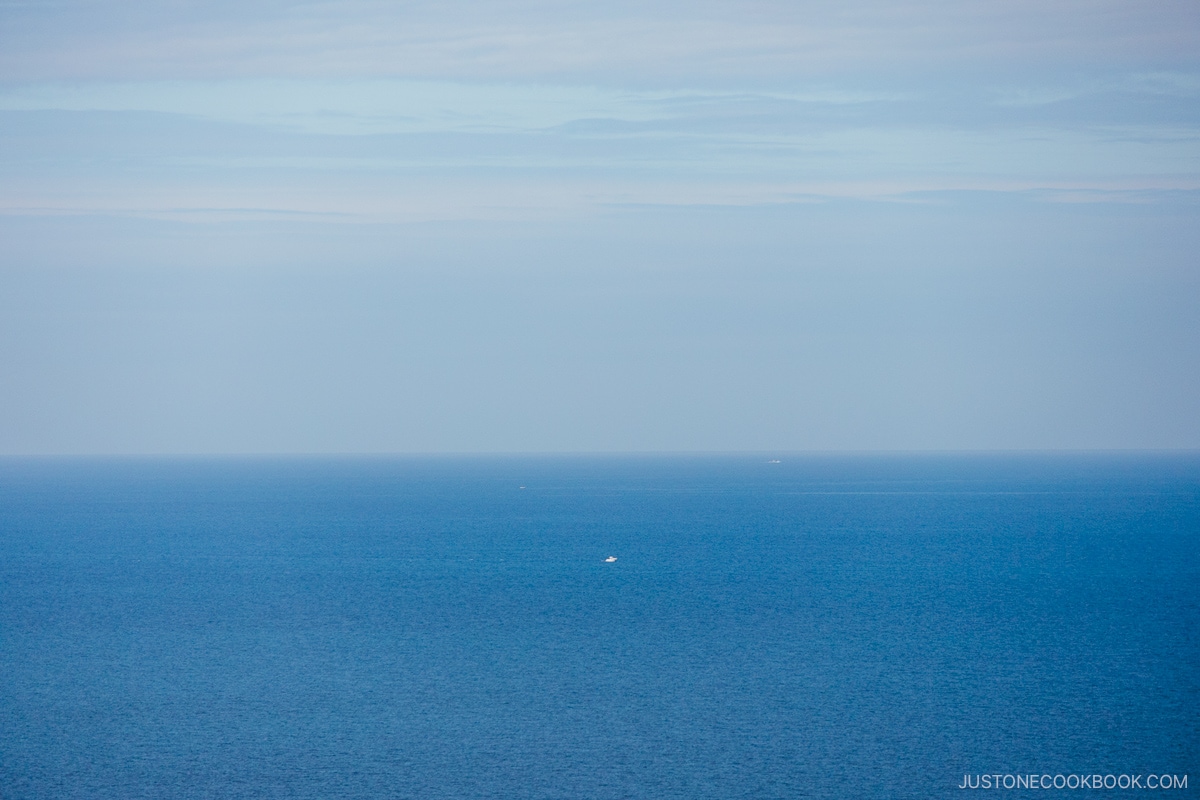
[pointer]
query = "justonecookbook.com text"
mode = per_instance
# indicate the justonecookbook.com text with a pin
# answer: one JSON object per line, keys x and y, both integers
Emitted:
{"x": 1072, "y": 781}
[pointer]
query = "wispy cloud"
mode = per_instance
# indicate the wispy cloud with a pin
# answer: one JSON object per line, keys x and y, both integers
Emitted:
{"x": 390, "y": 149}
{"x": 607, "y": 43}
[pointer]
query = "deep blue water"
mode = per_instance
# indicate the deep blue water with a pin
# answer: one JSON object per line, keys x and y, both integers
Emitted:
{"x": 425, "y": 628}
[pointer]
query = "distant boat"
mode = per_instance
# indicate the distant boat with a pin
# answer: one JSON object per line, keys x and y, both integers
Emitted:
{"x": 610, "y": 559}
{"x": 774, "y": 461}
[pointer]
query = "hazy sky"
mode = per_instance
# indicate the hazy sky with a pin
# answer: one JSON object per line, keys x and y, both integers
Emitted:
{"x": 487, "y": 226}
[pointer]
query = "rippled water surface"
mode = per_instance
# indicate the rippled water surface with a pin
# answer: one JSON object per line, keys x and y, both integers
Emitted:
{"x": 450, "y": 627}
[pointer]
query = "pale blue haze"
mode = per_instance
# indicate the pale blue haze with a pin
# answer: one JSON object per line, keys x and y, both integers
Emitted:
{"x": 531, "y": 227}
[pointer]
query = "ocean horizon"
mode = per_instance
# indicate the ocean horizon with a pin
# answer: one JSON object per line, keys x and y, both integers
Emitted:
{"x": 596, "y": 626}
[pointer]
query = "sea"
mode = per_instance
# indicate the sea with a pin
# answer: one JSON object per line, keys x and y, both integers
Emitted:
{"x": 676, "y": 626}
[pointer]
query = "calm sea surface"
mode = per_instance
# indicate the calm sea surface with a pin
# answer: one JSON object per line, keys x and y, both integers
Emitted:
{"x": 450, "y": 628}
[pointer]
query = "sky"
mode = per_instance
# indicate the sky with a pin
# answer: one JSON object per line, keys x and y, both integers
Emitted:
{"x": 367, "y": 227}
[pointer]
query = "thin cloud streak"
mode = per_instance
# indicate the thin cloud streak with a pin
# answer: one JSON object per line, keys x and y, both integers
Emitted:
{"x": 662, "y": 43}
{"x": 403, "y": 150}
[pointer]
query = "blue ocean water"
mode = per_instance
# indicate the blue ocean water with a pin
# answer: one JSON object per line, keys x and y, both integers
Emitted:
{"x": 822, "y": 627}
